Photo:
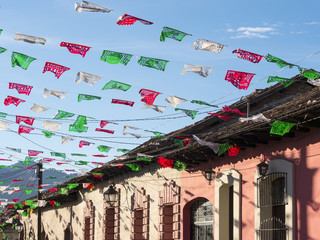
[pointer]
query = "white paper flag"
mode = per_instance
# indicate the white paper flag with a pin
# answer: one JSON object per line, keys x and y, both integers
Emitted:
{"x": 200, "y": 70}
{"x": 256, "y": 118}
{"x": 90, "y": 7}
{"x": 144, "y": 155}
{"x": 65, "y": 139}
{"x": 37, "y": 108}
{"x": 174, "y": 100}
{"x": 206, "y": 45}
{"x": 51, "y": 126}
{"x": 4, "y": 125}
{"x": 87, "y": 78}
{"x": 154, "y": 107}
{"x": 14, "y": 149}
{"x": 126, "y": 127}
{"x": 213, "y": 146}
{"x": 133, "y": 134}
{"x": 314, "y": 82}
{"x": 48, "y": 92}
{"x": 29, "y": 39}
{"x": 42, "y": 203}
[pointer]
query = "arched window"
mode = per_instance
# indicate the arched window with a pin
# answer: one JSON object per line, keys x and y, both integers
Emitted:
{"x": 68, "y": 233}
{"x": 201, "y": 220}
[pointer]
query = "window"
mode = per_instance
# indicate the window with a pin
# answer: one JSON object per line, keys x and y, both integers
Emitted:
{"x": 111, "y": 220}
{"x": 202, "y": 220}
{"x": 88, "y": 221}
{"x": 140, "y": 215}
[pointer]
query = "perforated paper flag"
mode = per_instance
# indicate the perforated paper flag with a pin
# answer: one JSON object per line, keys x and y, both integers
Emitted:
{"x": 78, "y": 125}
{"x": 174, "y": 100}
{"x": 76, "y": 48}
{"x": 255, "y": 118}
{"x": 24, "y": 129}
{"x": 57, "y": 154}
{"x": 13, "y": 100}
{"x": 48, "y": 134}
{"x": 82, "y": 97}
{"x": 180, "y": 166}
{"x": 66, "y": 139}
{"x": 221, "y": 116}
{"x": 166, "y": 163}
{"x": 33, "y": 153}
{"x": 37, "y": 108}
{"x": 27, "y": 120}
{"x": 21, "y": 60}
{"x": 84, "y": 143}
{"x": 90, "y": 7}
{"x": 278, "y": 61}
{"x": 314, "y": 82}
{"x": 284, "y": 81}
{"x": 310, "y": 74}
{"x": 59, "y": 94}
{"x": 103, "y": 123}
{"x": 240, "y": 80}
{"x": 116, "y": 85}
{"x": 2, "y": 50}
{"x": 90, "y": 79}
{"x": 57, "y": 69}
{"x": 124, "y": 102}
{"x": 206, "y": 45}
{"x": 51, "y": 126}
{"x": 115, "y": 57}
{"x": 190, "y": 113}
{"x": 134, "y": 166}
{"x": 103, "y": 148}
{"x": 21, "y": 88}
{"x": 281, "y": 128}
{"x": 104, "y": 130}
{"x": 249, "y": 56}
{"x": 126, "y": 19}
{"x": 224, "y": 147}
{"x": 29, "y": 39}
{"x": 213, "y": 146}
{"x": 203, "y": 103}
{"x": 155, "y": 63}
{"x": 200, "y": 70}
{"x": 148, "y": 96}
{"x": 172, "y": 33}
{"x": 234, "y": 110}
{"x": 62, "y": 115}
{"x": 157, "y": 108}
{"x": 4, "y": 125}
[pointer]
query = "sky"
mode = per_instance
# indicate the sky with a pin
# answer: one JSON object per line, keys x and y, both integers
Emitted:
{"x": 287, "y": 30}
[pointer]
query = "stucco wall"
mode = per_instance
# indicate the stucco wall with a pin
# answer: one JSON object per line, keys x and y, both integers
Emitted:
{"x": 55, "y": 220}
{"x": 303, "y": 150}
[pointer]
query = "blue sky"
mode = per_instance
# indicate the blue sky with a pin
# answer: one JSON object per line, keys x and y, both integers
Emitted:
{"x": 288, "y": 30}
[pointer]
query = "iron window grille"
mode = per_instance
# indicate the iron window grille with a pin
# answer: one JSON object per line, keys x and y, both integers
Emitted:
{"x": 273, "y": 229}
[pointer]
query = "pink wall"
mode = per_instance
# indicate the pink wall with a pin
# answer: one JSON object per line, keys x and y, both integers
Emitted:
{"x": 303, "y": 150}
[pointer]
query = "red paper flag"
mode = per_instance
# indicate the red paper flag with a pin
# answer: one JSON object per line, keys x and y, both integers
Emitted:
{"x": 252, "y": 57}
{"x": 27, "y": 120}
{"x": 60, "y": 163}
{"x": 126, "y": 19}
{"x": 55, "y": 68}
{"x": 99, "y": 163}
{"x": 185, "y": 141}
{"x": 84, "y": 143}
{"x": 103, "y": 123}
{"x": 9, "y": 206}
{"x": 75, "y": 48}
{"x": 165, "y": 162}
{"x": 24, "y": 129}
{"x": 70, "y": 170}
{"x": 233, "y": 151}
{"x": 100, "y": 155}
{"x": 104, "y": 130}
{"x": 22, "y": 89}
{"x": 52, "y": 202}
{"x": 15, "y": 200}
{"x": 27, "y": 168}
{"x": 221, "y": 116}
{"x": 234, "y": 110}
{"x": 33, "y": 153}
{"x": 124, "y": 102}
{"x": 13, "y": 100}
{"x": 240, "y": 80}
{"x": 52, "y": 189}
{"x": 1, "y": 159}
{"x": 148, "y": 96}
{"x": 17, "y": 180}
{"x": 48, "y": 159}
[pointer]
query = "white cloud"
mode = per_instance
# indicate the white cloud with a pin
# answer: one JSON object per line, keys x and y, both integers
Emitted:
{"x": 312, "y": 23}
{"x": 253, "y": 32}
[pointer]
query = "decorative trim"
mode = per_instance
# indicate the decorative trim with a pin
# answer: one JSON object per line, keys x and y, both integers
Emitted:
{"x": 228, "y": 177}
{"x": 170, "y": 196}
{"x": 107, "y": 219}
{"x": 88, "y": 212}
{"x": 141, "y": 204}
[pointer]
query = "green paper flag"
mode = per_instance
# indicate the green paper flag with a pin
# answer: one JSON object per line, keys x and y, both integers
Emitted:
{"x": 278, "y": 61}
{"x": 116, "y": 85}
{"x": 21, "y": 60}
{"x": 284, "y": 81}
{"x": 311, "y": 74}
{"x": 223, "y": 148}
{"x": 3, "y": 115}
{"x": 56, "y": 204}
{"x": 81, "y": 163}
{"x": 82, "y": 97}
{"x": 281, "y": 128}
{"x": 179, "y": 142}
{"x": 28, "y": 191}
{"x": 24, "y": 214}
{"x": 189, "y": 113}
{"x": 48, "y": 134}
{"x": 2, "y": 182}
{"x": 57, "y": 154}
{"x": 4, "y": 166}
{"x": 15, "y": 167}
{"x": 72, "y": 185}
{"x": 51, "y": 177}
{"x": 134, "y": 167}
{"x": 180, "y": 166}
{"x": 158, "y": 64}
{"x": 172, "y": 33}
{"x": 115, "y": 57}
{"x": 63, "y": 114}
{"x": 123, "y": 150}
{"x": 203, "y": 103}
{"x": 144, "y": 159}
{"x": 78, "y": 125}
{"x": 1, "y": 31}
{"x": 64, "y": 191}
{"x": 2, "y": 50}
{"x": 28, "y": 160}
{"x": 78, "y": 154}
{"x": 102, "y": 148}
{"x": 28, "y": 202}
